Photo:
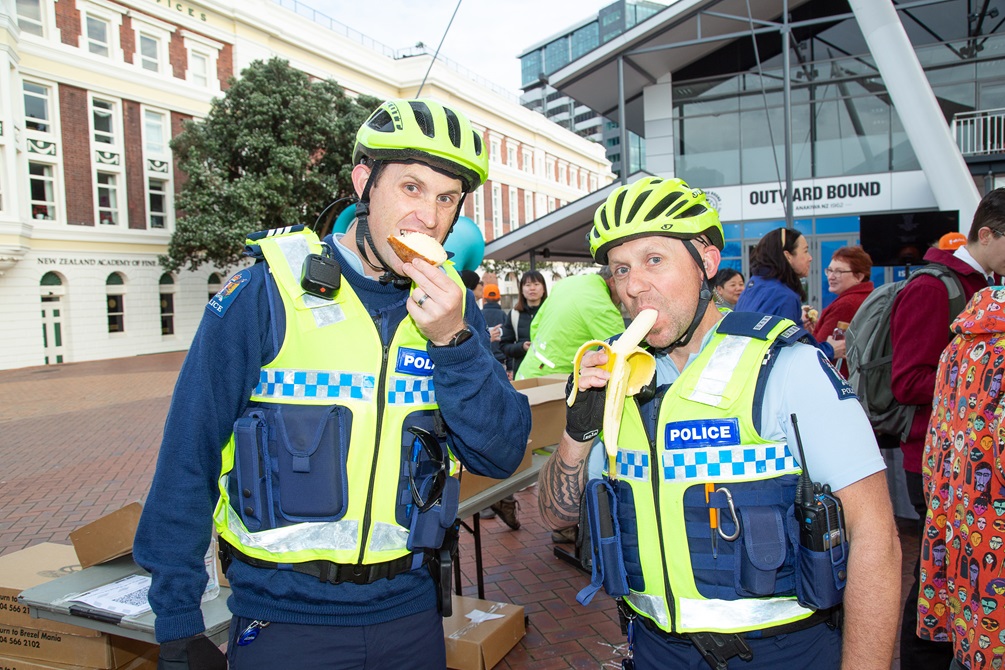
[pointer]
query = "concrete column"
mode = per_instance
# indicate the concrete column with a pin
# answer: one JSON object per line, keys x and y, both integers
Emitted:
{"x": 940, "y": 158}
{"x": 657, "y": 101}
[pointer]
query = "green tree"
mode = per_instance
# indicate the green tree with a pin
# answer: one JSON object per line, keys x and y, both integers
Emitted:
{"x": 273, "y": 151}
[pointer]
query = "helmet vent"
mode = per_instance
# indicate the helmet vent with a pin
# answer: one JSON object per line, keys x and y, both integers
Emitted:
{"x": 381, "y": 121}
{"x": 453, "y": 127}
{"x": 637, "y": 205}
{"x": 423, "y": 117}
{"x": 618, "y": 204}
{"x": 603, "y": 219}
{"x": 661, "y": 206}
{"x": 478, "y": 143}
{"x": 694, "y": 210}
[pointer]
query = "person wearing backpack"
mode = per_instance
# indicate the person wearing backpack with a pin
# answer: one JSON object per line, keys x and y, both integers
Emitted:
{"x": 919, "y": 331}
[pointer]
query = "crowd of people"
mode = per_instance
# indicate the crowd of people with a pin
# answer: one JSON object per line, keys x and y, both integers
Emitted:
{"x": 739, "y": 506}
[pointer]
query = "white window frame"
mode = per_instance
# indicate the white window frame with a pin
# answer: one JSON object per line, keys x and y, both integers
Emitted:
{"x": 511, "y": 156}
{"x": 563, "y": 173}
{"x": 154, "y": 63}
{"x": 165, "y": 214}
{"x": 497, "y": 219}
{"x": 114, "y": 209}
{"x": 162, "y": 150}
{"x": 593, "y": 183}
{"x": 49, "y": 106}
{"x": 171, "y": 290}
{"x": 111, "y": 14}
{"x": 478, "y": 207}
{"x": 51, "y": 178}
{"x": 160, "y": 32}
{"x": 45, "y": 23}
{"x": 551, "y": 204}
{"x": 119, "y": 290}
{"x": 514, "y": 211}
{"x": 549, "y": 168}
{"x": 210, "y": 49}
{"x": 495, "y": 151}
{"x": 115, "y": 134}
{"x": 528, "y": 162}
{"x": 528, "y": 207}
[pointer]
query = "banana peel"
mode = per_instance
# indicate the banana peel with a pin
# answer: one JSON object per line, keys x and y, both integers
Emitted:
{"x": 630, "y": 366}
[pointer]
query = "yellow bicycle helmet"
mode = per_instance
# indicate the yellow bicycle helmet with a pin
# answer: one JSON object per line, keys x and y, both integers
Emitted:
{"x": 652, "y": 206}
{"x": 424, "y": 130}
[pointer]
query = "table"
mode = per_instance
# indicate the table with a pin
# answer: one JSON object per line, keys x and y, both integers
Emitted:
{"x": 486, "y": 498}
{"x": 49, "y": 601}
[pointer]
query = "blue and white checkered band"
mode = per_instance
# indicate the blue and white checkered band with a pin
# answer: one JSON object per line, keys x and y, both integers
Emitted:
{"x": 411, "y": 391}
{"x": 332, "y": 384}
{"x": 633, "y": 465}
{"x": 728, "y": 463}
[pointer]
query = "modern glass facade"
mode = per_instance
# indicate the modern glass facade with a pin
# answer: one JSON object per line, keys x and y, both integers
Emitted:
{"x": 729, "y": 126}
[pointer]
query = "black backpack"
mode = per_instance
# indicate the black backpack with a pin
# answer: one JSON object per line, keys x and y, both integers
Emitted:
{"x": 869, "y": 350}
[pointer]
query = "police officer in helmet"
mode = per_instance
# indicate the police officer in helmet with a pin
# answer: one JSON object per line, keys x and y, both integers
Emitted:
{"x": 318, "y": 421}
{"x": 711, "y": 565}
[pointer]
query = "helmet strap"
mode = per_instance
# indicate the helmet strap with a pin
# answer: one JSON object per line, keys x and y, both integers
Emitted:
{"x": 364, "y": 239}
{"x": 704, "y": 298}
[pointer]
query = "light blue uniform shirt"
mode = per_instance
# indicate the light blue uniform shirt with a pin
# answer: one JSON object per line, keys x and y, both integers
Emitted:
{"x": 836, "y": 434}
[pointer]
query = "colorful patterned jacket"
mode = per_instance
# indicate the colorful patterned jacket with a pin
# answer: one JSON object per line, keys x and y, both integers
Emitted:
{"x": 962, "y": 590}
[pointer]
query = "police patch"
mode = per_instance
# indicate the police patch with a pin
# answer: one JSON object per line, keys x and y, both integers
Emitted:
{"x": 221, "y": 302}
{"x": 413, "y": 362}
{"x": 840, "y": 384}
{"x": 702, "y": 433}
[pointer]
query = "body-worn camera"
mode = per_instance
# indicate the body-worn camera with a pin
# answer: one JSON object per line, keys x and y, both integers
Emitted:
{"x": 321, "y": 276}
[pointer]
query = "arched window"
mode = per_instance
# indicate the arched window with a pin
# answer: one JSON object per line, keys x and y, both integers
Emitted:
{"x": 52, "y": 290}
{"x": 214, "y": 285}
{"x": 167, "y": 291}
{"x": 115, "y": 290}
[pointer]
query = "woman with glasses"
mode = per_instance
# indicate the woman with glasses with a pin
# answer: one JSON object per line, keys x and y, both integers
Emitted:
{"x": 848, "y": 279}
{"x": 778, "y": 264}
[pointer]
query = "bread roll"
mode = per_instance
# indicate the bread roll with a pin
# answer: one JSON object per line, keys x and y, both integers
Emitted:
{"x": 410, "y": 246}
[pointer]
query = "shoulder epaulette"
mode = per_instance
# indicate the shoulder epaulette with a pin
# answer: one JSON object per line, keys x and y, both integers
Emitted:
{"x": 755, "y": 324}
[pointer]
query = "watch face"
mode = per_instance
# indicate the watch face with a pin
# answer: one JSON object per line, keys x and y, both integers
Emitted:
{"x": 462, "y": 336}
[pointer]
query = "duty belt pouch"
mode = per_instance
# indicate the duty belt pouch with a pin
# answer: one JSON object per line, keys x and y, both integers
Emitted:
{"x": 426, "y": 529}
{"x": 251, "y": 437}
{"x": 311, "y": 453}
{"x": 608, "y": 562}
{"x": 762, "y": 552}
{"x": 821, "y": 575}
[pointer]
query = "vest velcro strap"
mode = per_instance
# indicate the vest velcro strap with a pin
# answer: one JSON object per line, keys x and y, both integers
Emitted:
{"x": 335, "y": 573}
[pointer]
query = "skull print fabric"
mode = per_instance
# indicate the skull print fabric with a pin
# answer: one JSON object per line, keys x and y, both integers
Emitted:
{"x": 962, "y": 588}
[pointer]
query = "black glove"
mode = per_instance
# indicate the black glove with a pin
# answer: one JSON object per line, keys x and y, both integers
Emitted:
{"x": 191, "y": 653}
{"x": 586, "y": 416}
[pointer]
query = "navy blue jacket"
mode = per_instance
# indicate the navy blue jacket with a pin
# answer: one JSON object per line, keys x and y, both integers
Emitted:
{"x": 488, "y": 424}
{"x": 770, "y": 296}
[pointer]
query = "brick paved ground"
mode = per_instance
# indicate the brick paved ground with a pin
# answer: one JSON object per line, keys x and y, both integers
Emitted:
{"x": 79, "y": 440}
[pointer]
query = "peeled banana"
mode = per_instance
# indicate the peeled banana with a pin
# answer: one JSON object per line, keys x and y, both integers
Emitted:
{"x": 631, "y": 368}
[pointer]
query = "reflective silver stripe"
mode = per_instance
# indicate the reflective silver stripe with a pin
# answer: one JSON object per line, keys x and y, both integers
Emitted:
{"x": 334, "y": 384}
{"x": 322, "y": 536}
{"x": 720, "y": 370}
{"x": 324, "y": 311}
{"x": 387, "y": 537}
{"x": 652, "y": 606}
{"x": 695, "y": 614}
{"x": 295, "y": 250}
{"x": 539, "y": 356}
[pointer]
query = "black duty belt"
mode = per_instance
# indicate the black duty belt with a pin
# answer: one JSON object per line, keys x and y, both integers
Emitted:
{"x": 326, "y": 571}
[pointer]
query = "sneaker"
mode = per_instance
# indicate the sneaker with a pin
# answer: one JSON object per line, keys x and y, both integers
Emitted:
{"x": 505, "y": 509}
{"x": 487, "y": 513}
{"x": 564, "y": 536}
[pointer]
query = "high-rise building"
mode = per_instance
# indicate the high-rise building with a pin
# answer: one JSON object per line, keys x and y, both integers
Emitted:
{"x": 541, "y": 60}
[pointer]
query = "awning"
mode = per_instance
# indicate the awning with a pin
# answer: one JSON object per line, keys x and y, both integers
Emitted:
{"x": 558, "y": 236}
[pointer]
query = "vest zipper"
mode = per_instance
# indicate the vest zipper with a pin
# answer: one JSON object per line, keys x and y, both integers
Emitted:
{"x": 654, "y": 476}
{"x": 367, "y": 520}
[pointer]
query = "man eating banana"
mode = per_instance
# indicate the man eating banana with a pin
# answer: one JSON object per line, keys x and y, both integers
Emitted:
{"x": 704, "y": 525}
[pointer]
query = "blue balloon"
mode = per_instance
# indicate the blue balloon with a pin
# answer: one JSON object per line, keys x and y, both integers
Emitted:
{"x": 344, "y": 219}
{"x": 467, "y": 244}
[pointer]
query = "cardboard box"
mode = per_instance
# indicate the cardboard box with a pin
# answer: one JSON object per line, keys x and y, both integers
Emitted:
{"x": 547, "y": 408}
{"x": 147, "y": 661}
{"x": 472, "y": 483}
{"x": 30, "y": 567}
{"x": 109, "y": 537}
{"x": 473, "y": 645}
{"x": 103, "y": 651}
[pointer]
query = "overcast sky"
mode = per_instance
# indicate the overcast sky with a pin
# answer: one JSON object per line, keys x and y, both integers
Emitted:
{"x": 486, "y": 37}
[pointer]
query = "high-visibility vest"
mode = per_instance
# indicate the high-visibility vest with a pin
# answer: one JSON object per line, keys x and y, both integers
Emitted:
{"x": 705, "y": 434}
{"x": 317, "y": 468}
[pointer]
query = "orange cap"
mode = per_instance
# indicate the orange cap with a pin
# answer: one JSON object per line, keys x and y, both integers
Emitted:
{"x": 491, "y": 292}
{"x": 952, "y": 241}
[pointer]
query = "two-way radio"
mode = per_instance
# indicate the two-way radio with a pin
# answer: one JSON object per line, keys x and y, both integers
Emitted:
{"x": 819, "y": 512}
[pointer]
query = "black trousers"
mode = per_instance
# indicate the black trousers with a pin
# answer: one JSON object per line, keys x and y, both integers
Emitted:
{"x": 915, "y": 653}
